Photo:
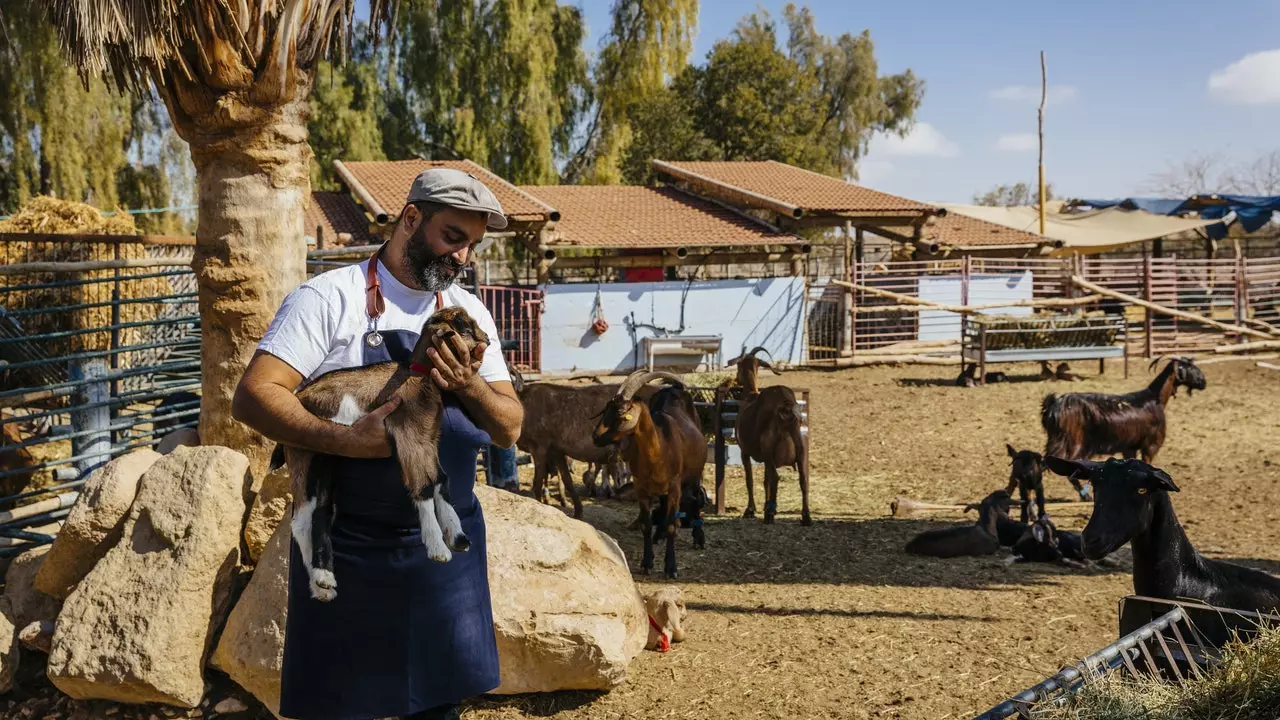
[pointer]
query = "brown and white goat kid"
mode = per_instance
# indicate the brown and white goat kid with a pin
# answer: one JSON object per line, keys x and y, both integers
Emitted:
{"x": 413, "y": 429}
{"x": 768, "y": 431}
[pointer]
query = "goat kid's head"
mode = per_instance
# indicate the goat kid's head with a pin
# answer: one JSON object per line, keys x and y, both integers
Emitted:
{"x": 749, "y": 366}
{"x": 1185, "y": 374}
{"x": 1027, "y": 467}
{"x": 667, "y": 608}
{"x": 447, "y": 324}
{"x": 621, "y": 415}
{"x": 1124, "y": 495}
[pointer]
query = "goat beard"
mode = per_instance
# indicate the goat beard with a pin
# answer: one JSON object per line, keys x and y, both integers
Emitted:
{"x": 434, "y": 273}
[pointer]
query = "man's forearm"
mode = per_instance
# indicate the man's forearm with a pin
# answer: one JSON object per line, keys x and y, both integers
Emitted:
{"x": 497, "y": 414}
{"x": 276, "y": 413}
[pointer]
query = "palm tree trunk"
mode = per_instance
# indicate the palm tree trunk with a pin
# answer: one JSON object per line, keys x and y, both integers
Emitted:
{"x": 254, "y": 181}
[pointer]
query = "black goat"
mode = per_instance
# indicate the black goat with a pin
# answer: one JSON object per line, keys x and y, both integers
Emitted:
{"x": 1133, "y": 506}
{"x": 1081, "y": 425}
{"x": 1026, "y": 473}
{"x": 1043, "y": 542}
{"x": 966, "y": 377}
{"x": 981, "y": 538}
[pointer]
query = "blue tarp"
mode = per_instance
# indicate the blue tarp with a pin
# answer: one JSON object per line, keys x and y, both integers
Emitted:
{"x": 1251, "y": 211}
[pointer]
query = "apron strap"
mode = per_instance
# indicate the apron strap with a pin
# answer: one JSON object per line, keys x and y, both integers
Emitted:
{"x": 374, "y": 303}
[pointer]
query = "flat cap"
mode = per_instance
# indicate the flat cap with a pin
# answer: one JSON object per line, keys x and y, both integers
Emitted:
{"x": 458, "y": 189}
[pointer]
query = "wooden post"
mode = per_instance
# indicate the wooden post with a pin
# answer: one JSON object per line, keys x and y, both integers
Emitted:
{"x": 720, "y": 450}
{"x": 1043, "y": 92}
{"x": 320, "y": 237}
{"x": 95, "y": 444}
{"x": 848, "y": 251}
{"x": 1146, "y": 295}
{"x": 858, "y": 246}
{"x": 966, "y": 269}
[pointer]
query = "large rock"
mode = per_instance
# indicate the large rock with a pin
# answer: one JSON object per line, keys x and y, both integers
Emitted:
{"x": 251, "y": 648}
{"x": 566, "y": 611}
{"x": 9, "y": 649}
{"x": 139, "y": 626}
{"x": 26, "y": 602}
{"x": 269, "y": 506}
{"x": 94, "y": 525}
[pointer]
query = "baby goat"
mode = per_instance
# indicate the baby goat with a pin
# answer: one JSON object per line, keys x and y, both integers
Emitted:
{"x": 1133, "y": 506}
{"x": 1027, "y": 475}
{"x": 413, "y": 429}
{"x": 980, "y": 538}
{"x": 1081, "y": 425}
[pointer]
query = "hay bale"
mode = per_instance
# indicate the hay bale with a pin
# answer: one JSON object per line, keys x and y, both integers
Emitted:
{"x": 52, "y": 215}
{"x": 1006, "y": 332}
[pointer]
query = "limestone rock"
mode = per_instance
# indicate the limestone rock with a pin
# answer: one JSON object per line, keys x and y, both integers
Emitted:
{"x": 94, "y": 524}
{"x": 251, "y": 649}
{"x": 27, "y": 603}
{"x": 138, "y": 627}
{"x": 270, "y": 504}
{"x": 38, "y": 635}
{"x": 182, "y": 437}
{"x": 566, "y": 611}
{"x": 8, "y": 646}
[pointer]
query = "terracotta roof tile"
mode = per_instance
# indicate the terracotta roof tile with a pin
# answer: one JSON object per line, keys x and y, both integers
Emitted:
{"x": 388, "y": 182}
{"x": 625, "y": 216}
{"x": 958, "y": 230}
{"x": 811, "y": 191}
{"x": 336, "y": 212}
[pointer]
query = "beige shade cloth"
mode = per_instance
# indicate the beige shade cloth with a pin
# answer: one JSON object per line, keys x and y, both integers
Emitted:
{"x": 1083, "y": 232}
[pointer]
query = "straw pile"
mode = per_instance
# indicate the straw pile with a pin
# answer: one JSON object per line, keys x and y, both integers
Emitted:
{"x": 52, "y": 215}
{"x": 702, "y": 387}
{"x": 1032, "y": 332}
{"x": 1244, "y": 684}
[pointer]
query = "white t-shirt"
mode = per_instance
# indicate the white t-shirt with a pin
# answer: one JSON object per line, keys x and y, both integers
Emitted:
{"x": 321, "y": 325}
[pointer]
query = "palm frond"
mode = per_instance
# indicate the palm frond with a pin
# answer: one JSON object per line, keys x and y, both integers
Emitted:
{"x": 223, "y": 44}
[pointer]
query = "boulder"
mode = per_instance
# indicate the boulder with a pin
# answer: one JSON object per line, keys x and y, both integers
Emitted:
{"x": 566, "y": 611}
{"x": 182, "y": 437}
{"x": 251, "y": 648}
{"x": 26, "y": 602}
{"x": 139, "y": 626}
{"x": 270, "y": 504}
{"x": 8, "y": 646}
{"x": 94, "y": 524}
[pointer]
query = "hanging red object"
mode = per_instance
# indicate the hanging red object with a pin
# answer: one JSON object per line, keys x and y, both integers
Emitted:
{"x": 599, "y": 326}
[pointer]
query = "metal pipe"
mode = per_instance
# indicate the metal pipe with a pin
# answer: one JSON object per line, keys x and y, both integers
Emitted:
{"x": 93, "y": 281}
{"x": 380, "y": 216}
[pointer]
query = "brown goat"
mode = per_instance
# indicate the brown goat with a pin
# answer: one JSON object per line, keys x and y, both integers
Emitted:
{"x": 413, "y": 429}
{"x": 768, "y": 431}
{"x": 666, "y": 452}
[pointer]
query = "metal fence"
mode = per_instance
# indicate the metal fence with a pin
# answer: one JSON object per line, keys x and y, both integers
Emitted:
{"x": 1242, "y": 291}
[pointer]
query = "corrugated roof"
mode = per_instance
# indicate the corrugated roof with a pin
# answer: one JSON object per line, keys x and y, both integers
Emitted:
{"x": 388, "y": 182}
{"x": 336, "y": 212}
{"x": 625, "y": 216}
{"x": 813, "y": 192}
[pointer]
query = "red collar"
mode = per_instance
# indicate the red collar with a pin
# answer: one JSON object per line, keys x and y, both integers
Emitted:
{"x": 663, "y": 643}
{"x": 419, "y": 369}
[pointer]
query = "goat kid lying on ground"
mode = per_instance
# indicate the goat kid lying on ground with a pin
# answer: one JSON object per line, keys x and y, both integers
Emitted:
{"x": 1133, "y": 506}
{"x": 967, "y": 373}
{"x": 1082, "y": 425}
{"x": 1043, "y": 542}
{"x": 768, "y": 431}
{"x": 344, "y": 396}
{"x": 665, "y": 450}
{"x": 1026, "y": 473}
{"x": 981, "y": 538}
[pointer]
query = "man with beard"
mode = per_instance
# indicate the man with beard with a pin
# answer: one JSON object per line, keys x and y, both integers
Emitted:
{"x": 405, "y": 636}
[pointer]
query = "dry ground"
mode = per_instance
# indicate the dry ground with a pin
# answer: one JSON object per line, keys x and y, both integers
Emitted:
{"x": 836, "y": 621}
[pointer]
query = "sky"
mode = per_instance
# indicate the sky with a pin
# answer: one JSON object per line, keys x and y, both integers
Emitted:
{"x": 1134, "y": 88}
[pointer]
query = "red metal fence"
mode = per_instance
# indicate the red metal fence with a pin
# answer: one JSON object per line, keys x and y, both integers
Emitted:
{"x": 518, "y": 314}
{"x": 1236, "y": 291}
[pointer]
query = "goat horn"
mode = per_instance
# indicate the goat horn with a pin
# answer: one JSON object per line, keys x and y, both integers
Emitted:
{"x": 640, "y": 378}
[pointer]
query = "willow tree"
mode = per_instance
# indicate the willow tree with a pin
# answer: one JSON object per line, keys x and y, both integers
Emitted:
{"x": 235, "y": 77}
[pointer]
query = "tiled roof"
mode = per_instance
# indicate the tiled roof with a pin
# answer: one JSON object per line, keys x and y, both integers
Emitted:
{"x": 336, "y": 212}
{"x": 388, "y": 181}
{"x": 962, "y": 231}
{"x": 810, "y": 191}
{"x": 626, "y": 216}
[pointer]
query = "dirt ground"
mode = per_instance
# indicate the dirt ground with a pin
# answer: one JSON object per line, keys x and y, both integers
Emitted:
{"x": 836, "y": 621}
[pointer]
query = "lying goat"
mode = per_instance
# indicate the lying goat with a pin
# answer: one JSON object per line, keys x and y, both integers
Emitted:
{"x": 1133, "y": 506}
{"x": 667, "y": 614}
{"x": 1043, "y": 542}
{"x": 980, "y": 538}
{"x": 966, "y": 377}
{"x": 1026, "y": 473}
{"x": 413, "y": 430}
{"x": 1081, "y": 425}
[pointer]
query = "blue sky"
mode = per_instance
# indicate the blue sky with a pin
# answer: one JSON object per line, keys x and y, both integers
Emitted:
{"x": 1134, "y": 87}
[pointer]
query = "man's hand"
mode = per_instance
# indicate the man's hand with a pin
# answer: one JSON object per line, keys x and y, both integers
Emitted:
{"x": 454, "y": 369}
{"x": 368, "y": 435}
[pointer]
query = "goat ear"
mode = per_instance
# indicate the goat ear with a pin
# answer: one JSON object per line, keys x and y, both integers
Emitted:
{"x": 1067, "y": 468}
{"x": 1037, "y": 531}
{"x": 732, "y": 362}
{"x": 1159, "y": 480}
{"x": 1012, "y": 452}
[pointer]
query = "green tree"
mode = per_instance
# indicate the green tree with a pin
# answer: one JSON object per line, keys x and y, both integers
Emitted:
{"x": 346, "y": 110}
{"x": 1013, "y": 195}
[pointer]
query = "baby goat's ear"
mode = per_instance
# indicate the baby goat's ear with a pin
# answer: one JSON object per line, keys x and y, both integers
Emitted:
{"x": 1012, "y": 452}
{"x": 1037, "y": 531}
{"x": 1158, "y": 479}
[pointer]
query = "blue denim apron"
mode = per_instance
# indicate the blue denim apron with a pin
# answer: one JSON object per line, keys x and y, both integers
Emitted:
{"x": 405, "y": 633}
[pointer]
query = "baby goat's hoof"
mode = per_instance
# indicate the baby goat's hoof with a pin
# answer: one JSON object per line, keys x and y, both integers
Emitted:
{"x": 460, "y": 544}
{"x": 440, "y": 554}
{"x": 324, "y": 587}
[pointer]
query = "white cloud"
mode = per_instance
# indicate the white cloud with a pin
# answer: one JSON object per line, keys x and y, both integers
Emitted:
{"x": 1018, "y": 142}
{"x": 1252, "y": 80}
{"x": 873, "y": 172}
{"x": 924, "y": 140}
{"x": 1054, "y": 94}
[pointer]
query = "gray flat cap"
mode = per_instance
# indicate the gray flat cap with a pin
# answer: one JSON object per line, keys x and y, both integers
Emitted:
{"x": 458, "y": 189}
